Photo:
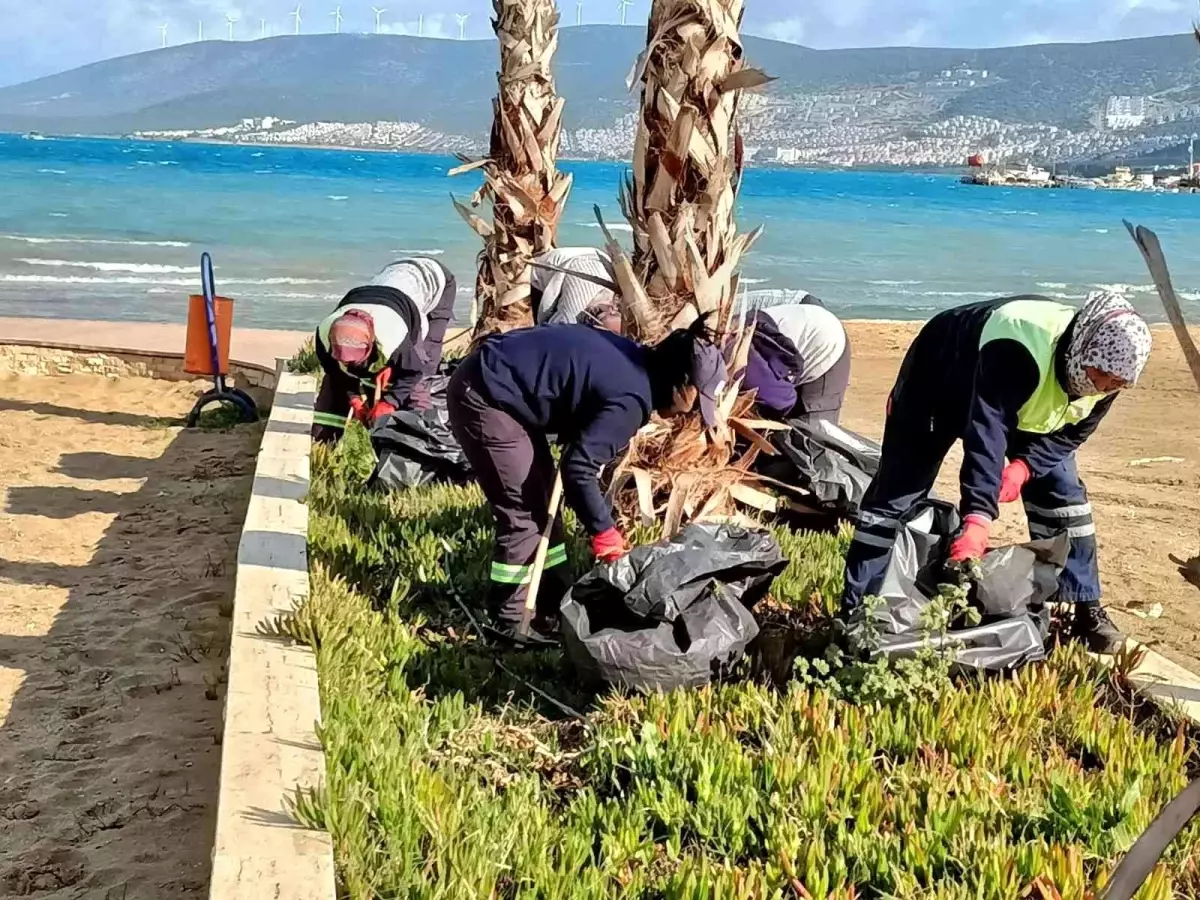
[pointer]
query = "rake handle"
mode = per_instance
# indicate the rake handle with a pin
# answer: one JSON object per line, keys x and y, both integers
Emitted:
{"x": 543, "y": 550}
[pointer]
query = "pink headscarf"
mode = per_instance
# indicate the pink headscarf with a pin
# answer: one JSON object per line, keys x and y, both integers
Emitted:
{"x": 352, "y": 338}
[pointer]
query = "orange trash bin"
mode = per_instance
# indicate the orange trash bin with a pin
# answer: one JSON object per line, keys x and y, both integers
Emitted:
{"x": 197, "y": 357}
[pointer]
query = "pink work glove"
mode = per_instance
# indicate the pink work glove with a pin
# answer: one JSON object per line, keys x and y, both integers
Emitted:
{"x": 609, "y": 546}
{"x": 1012, "y": 482}
{"x": 972, "y": 541}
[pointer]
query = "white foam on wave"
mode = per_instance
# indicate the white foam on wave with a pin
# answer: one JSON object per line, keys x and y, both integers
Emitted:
{"x": 137, "y": 268}
{"x": 754, "y": 280}
{"x": 986, "y": 294}
{"x": 338, "y": 198}
{"x": 886, "y": 283}
{"x": 27, "y": 239}
{"x": 10, "y": 278}
{"x": 1099, "y": 230}
{"x": 58, "y": 215}
{"x": 52, "y": 171}
{"x": 1119, "y": 288}
{"x": 283, "y": 295}
{"x": 618, "y": 226}
{"x": 403, "y": 253}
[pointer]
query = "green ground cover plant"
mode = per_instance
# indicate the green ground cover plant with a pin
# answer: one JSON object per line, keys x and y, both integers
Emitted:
{"x": 457, "y": 773}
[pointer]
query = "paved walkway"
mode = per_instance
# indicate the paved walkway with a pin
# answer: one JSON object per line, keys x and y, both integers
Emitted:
{"x": 249, "y": 344}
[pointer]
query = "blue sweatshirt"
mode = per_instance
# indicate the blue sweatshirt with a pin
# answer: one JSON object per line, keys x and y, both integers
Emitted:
{"x": 585, "y": 385}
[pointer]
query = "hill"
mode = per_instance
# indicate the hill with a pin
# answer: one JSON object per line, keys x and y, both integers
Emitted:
{"x": 447, "y": 85}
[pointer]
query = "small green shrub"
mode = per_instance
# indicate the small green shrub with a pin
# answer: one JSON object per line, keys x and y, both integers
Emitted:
{"x": 449, "y": 777}
{"x": 305, "y": 361}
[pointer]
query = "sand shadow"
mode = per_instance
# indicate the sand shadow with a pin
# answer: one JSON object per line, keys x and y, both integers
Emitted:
{"x": 119, "y": 704}
{"x": 101, "y": 466}
{"x": 94, "y": 416}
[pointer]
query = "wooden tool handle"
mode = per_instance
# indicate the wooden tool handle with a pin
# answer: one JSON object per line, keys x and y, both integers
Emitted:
{"x": 543, "y": 550}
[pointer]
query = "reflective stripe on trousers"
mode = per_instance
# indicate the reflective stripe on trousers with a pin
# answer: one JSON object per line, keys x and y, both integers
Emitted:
{"x": 507, "y": 573}
{"x": 1057, "y": 502}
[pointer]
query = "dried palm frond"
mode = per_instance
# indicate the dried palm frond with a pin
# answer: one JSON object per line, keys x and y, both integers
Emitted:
{"x": 522, "y": 183}
{"x": 680, "y": 202}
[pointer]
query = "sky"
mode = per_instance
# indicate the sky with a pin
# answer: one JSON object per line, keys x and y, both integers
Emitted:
{"x": 47, "y": 36}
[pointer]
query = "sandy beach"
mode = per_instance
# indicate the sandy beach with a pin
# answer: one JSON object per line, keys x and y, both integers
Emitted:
{"x": 118, "y": 547}
{"x": 1144, "y": 513}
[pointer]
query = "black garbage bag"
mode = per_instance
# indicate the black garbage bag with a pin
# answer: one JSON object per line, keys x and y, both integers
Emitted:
{"x": 1015, "y": 584}
{"x": 834, "y": 465}
{"x": 417, "y": 447}
{"x": 672, "y": 614}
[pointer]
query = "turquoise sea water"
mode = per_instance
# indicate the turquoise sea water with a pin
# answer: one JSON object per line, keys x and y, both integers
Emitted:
{"x": 114, "y": 230}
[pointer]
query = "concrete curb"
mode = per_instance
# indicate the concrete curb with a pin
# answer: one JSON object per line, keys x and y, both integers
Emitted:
{"x": 270, "y": 746}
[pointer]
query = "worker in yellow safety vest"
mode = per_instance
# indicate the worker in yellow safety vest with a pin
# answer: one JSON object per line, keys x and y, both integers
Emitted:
{"x": 1024, "y": 378}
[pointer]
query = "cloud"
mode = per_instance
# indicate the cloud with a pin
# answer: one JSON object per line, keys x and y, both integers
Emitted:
{"x": 790, "y": 31}
{"x": 47, "y": 36}
{"x": 436, "y": 26}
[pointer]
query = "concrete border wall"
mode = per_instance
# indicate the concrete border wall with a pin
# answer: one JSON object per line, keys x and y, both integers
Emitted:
{"x": 25, "y": 358}
{"x": 270, "y": 745}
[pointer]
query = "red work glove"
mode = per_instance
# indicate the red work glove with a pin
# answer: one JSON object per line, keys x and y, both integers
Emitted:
{"x": 972, "y": 541}
{"x": 609, "y": 546}
{"x": 382, "y": 410}
{"x": 358, "y": 409}
{"x": 1016, "y": 476}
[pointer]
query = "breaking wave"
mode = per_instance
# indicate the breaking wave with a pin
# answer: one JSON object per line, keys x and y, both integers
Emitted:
{"x": 26, "y": 239}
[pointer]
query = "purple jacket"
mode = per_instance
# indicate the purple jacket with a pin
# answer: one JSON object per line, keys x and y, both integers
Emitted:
{"x": 772, "y": 368}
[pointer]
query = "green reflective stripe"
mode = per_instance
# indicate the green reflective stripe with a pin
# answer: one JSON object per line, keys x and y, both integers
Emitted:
{"x": 507, "y": 573}
{"x": 503, "y": 573}
{"x": 329, "y": 420}
{"x": 1037, "y": 325}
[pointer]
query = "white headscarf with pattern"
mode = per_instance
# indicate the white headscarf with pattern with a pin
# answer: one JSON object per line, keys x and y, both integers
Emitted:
{"x": 1110, "y": 336}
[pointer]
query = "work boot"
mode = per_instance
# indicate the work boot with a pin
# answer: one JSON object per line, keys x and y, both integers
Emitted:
{"x": 536, "y": 639}
{"x": 1093, "y": 628}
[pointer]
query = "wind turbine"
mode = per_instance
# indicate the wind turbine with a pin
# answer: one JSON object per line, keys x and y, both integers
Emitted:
{"x": 337, "y": 20}
{"x": 462, "y": 25}
{"x": 262, "y": 28}
{"x": 624, "y": 5}
{"x": 231, "y": 20}
{"x": 579, "y": 12}
{"x": 163, "y": 29}
{"x": 378, "y": 18}
{"x": 200, "y": 31}
{"x": 421, "y": 25}
{"x": 296, "y": 16}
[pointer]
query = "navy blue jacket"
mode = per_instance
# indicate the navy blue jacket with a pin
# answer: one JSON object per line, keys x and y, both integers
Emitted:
{"x": 585, "y": 385}
{"x": 950, "y": 386}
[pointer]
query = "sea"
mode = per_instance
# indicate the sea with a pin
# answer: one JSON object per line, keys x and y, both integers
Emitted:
{"x": 114, "y": 229}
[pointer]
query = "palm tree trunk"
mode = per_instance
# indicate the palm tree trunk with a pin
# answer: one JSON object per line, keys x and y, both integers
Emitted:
{"x": 681, "y": 200}
{"x": 526, "y": 191}
{"x": 687, "y": 166}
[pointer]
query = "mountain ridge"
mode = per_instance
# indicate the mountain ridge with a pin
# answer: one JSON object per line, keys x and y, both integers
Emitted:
{"x": 448, "y": 85}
